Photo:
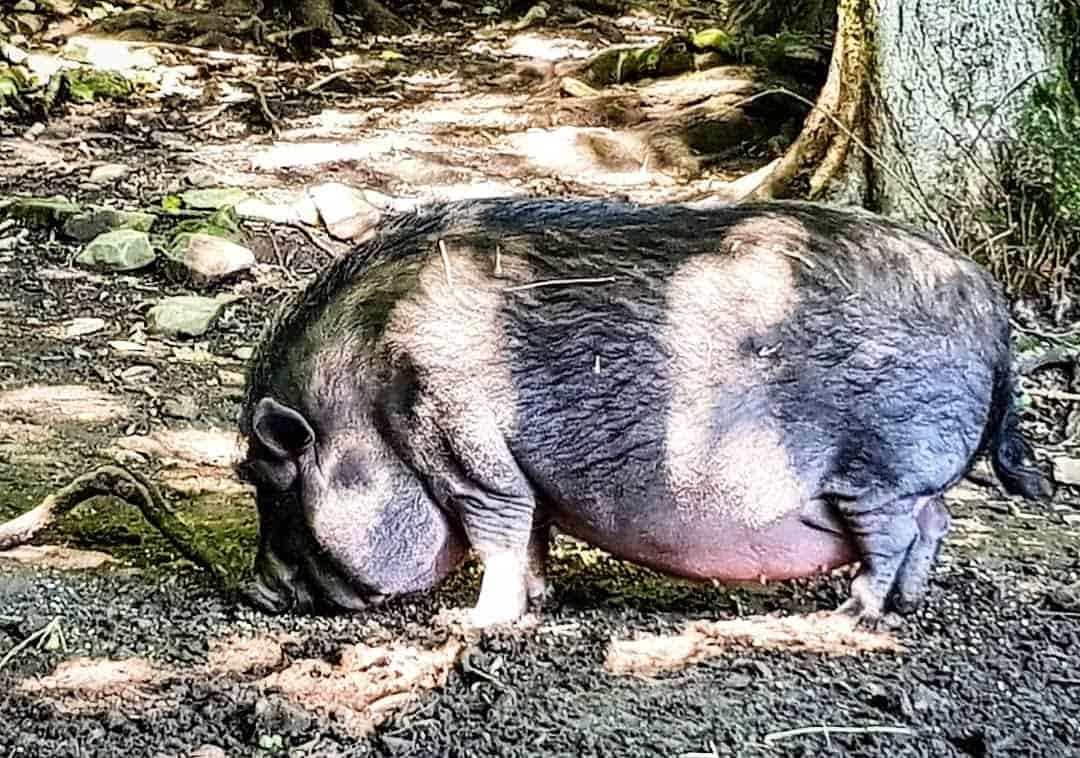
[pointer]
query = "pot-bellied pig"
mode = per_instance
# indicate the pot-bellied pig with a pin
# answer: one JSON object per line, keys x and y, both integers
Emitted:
{"x": 760, "y": 390}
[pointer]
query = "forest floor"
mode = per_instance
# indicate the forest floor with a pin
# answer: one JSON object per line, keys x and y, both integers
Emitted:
{"x": 112, "y": 645}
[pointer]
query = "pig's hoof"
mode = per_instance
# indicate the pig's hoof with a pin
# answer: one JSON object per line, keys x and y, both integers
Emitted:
{"x": 484, "y": 618}
{"x": 863, "y": 616}
{"x": 905, "y": 604}
{"x": 536, "y": 590}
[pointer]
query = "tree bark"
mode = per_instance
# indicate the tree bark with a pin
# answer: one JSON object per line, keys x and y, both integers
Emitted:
{"x": 922, "y": 102}
{"x": 952, "y": 80}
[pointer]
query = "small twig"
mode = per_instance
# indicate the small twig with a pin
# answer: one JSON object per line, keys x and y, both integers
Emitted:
{"x": 826, "y": 730}
{"x": 211, "y": 116}
{"x": 498, "y": 260}
{"x": 318, "y": 84}
{"x": 271, "y": 119}
{"x": 446, "y": 264}
{"x": 1054, "y": 394}
{"x": 1053, "y": 336}
{"x": 561, "y": 282}
{"x": 1065, "y": 681}
{"x": 41, "y": 634}
{"x": 468, "y": 667}
{"x": 315, "y": 240}
{"x": 993, "y": 240}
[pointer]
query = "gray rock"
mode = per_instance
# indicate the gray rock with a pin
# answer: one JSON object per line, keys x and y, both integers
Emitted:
{"x": 181, "y": 406}
{"x": 213, "y": 198}
{"x": 209, "y": 258}
{"x": 1067, "y": 470}
{"x": 85, "y": 226}
{"x": 30, "y": 22}
{"x": 349, "y": 213}
{"x": 184, "y": 316}
{"x": 121, "y": 250}
{"x": 109, "y": 172}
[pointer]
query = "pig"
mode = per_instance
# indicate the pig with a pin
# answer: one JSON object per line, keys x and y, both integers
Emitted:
{"x": 754, "y": 391}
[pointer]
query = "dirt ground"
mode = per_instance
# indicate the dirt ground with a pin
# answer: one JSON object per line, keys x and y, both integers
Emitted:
{"x": 110, "y": 644}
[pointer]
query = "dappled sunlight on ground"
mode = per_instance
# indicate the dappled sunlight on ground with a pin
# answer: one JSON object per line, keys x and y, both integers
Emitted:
{"x": 210, "y": 447}
{"x": 57, "y": 557}
{"x": 57, "y": 404}
{"x": 826, "y": 633}
{"x": 16, "y": 435}
{"x": 361, "y": 688}
{"x": 548, "y": 47}
{"x": 367, "y": 684}
{"x": 83, "y": 682}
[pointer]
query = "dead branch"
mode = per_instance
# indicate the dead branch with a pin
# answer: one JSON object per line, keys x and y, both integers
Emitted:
{"x": 129, "y": 486}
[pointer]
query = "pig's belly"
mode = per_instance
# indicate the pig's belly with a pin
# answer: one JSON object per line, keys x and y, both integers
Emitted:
{"x": 785, "y": 549}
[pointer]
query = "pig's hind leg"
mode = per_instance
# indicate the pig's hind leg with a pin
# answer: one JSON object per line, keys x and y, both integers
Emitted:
{"x": 894, "y": 554}
{"x": 914, "y": 577}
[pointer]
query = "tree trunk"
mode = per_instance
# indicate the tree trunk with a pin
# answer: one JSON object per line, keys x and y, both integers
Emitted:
{"x": 953, "y": 80}
{"x": 921, "y": 102}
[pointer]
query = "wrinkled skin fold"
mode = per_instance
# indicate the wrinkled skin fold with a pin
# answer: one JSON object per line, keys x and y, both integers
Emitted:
{"x": 735, "y": 393}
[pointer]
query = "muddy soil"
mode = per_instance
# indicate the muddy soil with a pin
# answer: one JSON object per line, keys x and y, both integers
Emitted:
{"x": 110, "y": 644}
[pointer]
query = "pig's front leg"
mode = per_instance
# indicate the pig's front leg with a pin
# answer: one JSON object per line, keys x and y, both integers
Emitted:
{"x": 497, "y": 508}
{"x": 511, "y": 583}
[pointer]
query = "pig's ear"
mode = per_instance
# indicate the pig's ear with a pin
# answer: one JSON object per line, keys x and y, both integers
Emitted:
{"x": 283, "y": 431}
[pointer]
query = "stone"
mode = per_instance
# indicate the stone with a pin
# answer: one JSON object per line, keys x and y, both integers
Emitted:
{"x": 85, "y": 85}
{"x": 109, "y": 172}
{"x": 347, "y": 212}
{"x": 213, "y": 198}
{"x": 120, "y": 250}
{"x": 1067, "y": 470}
{"x": 25, "y": 6}
{"x": 14, "y": 55}
{"x": 208, "y": 257}
{"x": 181, "y": 406}
{"x": 29, "y": 22}
{"x": 77, "y": 327}
{"x": 89, "y": 224}
{"x": 184, "y": 316}
{"x": 230, "y": 378}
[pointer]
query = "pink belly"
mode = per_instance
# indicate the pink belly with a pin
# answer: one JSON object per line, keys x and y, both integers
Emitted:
{"x": 786, "y": 549}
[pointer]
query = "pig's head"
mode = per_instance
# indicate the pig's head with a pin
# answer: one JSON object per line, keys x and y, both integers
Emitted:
{"x": 343, "y": 521}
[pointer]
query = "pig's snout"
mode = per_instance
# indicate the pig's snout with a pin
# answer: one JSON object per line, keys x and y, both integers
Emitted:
{"x": 266, "y": 599}
{"x": 277, "y": 587}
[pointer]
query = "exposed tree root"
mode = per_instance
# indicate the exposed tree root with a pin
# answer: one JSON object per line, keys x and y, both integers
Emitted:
{"x": 129, "y": 486}
{"x": 685, "y": 124}
{"x": 820, "y": 153}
